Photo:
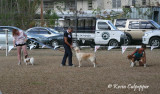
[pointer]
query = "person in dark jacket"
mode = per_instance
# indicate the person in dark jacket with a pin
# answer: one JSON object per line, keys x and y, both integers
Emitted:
{"x": 68, "y": 47}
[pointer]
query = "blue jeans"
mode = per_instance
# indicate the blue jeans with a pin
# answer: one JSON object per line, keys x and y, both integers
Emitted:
{"x": 68, "y": 53}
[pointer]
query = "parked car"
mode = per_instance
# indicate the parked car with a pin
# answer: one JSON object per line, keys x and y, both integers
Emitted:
{"x": 135, "y": 28}
{"x": 43, "y": 35}
{"x": 60, "y": 29}
{"x": 3, "y": 35}
{"x": 45, "y": 31}
{"x": 34, "y": 39}
{"x": 56, "y": 41}
{"x": 152, "y": 38}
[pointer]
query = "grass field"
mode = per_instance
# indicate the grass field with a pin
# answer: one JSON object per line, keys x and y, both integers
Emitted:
{"x": 112, "y": 76}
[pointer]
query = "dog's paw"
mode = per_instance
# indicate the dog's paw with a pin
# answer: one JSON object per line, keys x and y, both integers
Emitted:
{"x": 79, "y": 66}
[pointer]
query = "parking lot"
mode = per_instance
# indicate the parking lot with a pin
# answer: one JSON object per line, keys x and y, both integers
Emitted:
{"x": 113, "y": 74}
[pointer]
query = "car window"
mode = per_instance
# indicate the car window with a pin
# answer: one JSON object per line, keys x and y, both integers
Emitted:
{"x": 43, "y": 31}
{"x": 114, "y": 28}
{"x": 155, "y": 24}
{"x": 103, "y": 26}
{"x": 9, "y": 30}
{"x": 2, "y": 31}
{"x": 146, "y": 25}
{"x": 33, "y": 31}
{"x": 53, "y": 30}
{"x": 120, "y": 23}
{"x": 133, "y": 25}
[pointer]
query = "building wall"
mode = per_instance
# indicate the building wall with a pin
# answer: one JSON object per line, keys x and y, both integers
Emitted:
{"x": 106, "y": 4}
{"x": 62, "y": 5}
{"x": 100, "y": 4}
{"x": 82, "y": 5}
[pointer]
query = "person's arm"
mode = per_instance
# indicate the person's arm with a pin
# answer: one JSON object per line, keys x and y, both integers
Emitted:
{"x": 25, "y": 37}
{"x": 14, "y": 41}
{"x": 65, "y": 40}
{"x": 134, "y": 52}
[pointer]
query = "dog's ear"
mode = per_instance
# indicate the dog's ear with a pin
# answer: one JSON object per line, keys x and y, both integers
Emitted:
{"x": 77, "y": 49}
{"x": 129, "y": 57}
{"x": 26, "y": 56}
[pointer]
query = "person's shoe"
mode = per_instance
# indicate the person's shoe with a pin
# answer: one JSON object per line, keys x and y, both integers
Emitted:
{"x": 62, "y": 65}
{"x": 145, "y": 65}
{"x": 132, "y": 64}
{"x": 72, "y": 65}
{"x": 19, "y": 63}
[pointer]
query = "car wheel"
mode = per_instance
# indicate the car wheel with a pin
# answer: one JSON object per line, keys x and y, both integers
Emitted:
{"x": 128, "y": 40}
{"x": 155, "y": 42}
{"x": 113, "y": 43}
{"x": 54, "y": 43}
{"x": 92, "y": 45}
{"x": 32, "y": 43}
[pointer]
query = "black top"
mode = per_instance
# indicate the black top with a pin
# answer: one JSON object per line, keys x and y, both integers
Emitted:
{"x": 69, "y": 37}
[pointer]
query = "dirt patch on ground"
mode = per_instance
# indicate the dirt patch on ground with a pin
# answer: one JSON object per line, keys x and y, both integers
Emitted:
{"x": 47, "y": 77}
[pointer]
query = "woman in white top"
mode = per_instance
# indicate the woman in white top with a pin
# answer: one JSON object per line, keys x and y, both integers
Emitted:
{"x": 19, "y": 41}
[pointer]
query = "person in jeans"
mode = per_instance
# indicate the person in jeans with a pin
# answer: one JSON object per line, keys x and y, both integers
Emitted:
{"x": 19, "y": 41}
{"x": 68, "y": 47}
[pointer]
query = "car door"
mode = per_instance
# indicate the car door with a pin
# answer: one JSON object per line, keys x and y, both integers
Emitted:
{"x": 102, "y": 34}
{"x": 44, "y": 32}
{"x": 134, "y": 30}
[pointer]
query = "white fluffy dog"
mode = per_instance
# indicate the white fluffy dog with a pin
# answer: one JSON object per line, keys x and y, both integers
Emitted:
{"x": 29, "y": 60}
{"x": 85, "y": 56}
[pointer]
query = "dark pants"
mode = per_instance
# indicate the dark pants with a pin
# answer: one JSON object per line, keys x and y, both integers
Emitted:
{"x": 68, "y": 53}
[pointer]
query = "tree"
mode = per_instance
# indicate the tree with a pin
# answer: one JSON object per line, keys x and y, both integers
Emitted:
{"x": 19, "y": 13}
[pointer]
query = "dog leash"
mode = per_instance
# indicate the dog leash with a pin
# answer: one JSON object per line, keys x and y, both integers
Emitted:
{"x": 53, "y": 48}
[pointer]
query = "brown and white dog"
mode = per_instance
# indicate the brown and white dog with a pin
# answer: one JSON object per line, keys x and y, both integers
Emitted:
{"x": 29, "y": 60}
{"x": 85, "y": 56}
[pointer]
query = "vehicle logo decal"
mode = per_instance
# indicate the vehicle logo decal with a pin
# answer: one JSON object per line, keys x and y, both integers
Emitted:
{"x": 105, "y": 35}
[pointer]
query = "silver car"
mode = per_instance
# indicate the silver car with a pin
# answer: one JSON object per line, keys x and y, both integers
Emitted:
{"x": 3, "y": 35}
{"x": 44, "y": 31}
{"x": 43, "y": 35}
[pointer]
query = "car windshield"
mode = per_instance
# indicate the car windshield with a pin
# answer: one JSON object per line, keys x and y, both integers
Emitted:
{"x": 155, "y": 24}
{"x": 53, "y": 31}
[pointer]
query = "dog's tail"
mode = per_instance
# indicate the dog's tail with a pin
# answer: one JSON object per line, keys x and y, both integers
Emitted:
{"x": 32, "y": 60}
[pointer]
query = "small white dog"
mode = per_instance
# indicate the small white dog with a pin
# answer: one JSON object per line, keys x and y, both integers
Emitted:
{"x": 29, "y": 60}
{"x": 85, "y": 56}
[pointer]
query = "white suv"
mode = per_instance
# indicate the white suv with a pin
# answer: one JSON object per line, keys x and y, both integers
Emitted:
{"x": 152, "y": 38}
{"x": 135, "y": 28}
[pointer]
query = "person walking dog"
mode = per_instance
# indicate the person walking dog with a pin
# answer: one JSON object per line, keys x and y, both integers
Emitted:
{"x": 68, "y": 47}
{"x": 19, "y": 41}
